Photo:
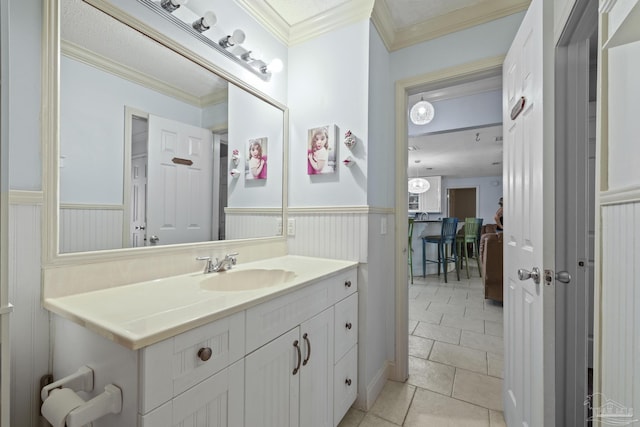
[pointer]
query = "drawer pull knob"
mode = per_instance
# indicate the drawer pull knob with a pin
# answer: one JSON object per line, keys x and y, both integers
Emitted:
{"x": 205, "y": 353}
{"x": 347, "y": 284}
{"x": 297, "y": 346}
{"x": 348, "y": 382}
{"x": 306, "y": 360}
{"x": 348, "y": 325}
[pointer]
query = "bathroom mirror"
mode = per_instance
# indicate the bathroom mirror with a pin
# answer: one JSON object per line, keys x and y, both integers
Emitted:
{"x": 155, "y": 149}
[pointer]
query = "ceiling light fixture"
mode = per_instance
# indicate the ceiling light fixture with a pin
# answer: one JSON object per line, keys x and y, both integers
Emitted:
{"x": 422, "y": 112}
{"x": 198, "y": 27}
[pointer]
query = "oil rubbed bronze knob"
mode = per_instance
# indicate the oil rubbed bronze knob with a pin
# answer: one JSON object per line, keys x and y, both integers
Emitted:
{"x": 348, "y": 381}
{"x": 348, "y": 325}
{"x": 205, "y": 353}
{"x": 347, "y": 283}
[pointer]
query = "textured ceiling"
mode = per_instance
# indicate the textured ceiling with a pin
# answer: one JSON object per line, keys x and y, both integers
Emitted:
{"x": 294, "y": 12}
{"x": 406, "y": 13}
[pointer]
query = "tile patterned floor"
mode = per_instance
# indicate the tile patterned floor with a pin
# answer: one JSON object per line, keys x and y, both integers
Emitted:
{"x": 455, "y": 361}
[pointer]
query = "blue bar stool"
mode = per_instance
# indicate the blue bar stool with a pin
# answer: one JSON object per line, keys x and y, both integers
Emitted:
{"x": 446, "y": 240}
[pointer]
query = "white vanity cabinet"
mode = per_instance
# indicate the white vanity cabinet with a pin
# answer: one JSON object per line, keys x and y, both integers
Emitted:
{"x": 289, "y": 360}
{"x": 291, "y": 379}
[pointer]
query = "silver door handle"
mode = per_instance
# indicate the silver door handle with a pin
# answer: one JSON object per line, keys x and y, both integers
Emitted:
{"x": 533, "y": 274}
{"x": 154, "y": 239}
{"x": 563, "y": 276}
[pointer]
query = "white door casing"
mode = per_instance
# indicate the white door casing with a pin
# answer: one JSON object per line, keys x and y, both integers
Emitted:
{"x": 528, "y": 390}
{"x": 138, "y": 201}
{"x": 179, "y": 195}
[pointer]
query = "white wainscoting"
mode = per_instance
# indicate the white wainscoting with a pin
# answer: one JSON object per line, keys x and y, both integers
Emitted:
{"x": 339, "y": 233}
{"x": 29, "y": 322}
{"x": 620, "y": 317}
{"x": 250, "y": 223}
{"x": 90, "y": 227}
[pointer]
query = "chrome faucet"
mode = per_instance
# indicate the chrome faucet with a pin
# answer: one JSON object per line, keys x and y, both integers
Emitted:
{"x": 226, "y": 263}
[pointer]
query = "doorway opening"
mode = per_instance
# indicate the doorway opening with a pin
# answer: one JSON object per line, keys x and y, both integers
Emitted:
{"x": 462, "y": 203}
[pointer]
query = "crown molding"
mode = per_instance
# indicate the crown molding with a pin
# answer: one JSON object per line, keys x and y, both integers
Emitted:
{"x": 457, "y": 20}
{"x": 93, "y": 59}
{"x": 290, "y": 35}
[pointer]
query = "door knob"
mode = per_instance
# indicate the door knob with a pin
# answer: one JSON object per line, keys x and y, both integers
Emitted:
{"x": 563, "y": 276}
{"x": 533, "y": 274}
{"x": 154, "y": 239}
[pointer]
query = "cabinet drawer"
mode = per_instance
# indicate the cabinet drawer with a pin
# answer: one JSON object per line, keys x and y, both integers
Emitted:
{"x": 345, "y": 384}
{"x": 346, "y": 325}
{"x": 170, "y": 367}
{"x": 345, "y": 284}
{"x": 219, "y": 399}
{"x": 273, "y": 318}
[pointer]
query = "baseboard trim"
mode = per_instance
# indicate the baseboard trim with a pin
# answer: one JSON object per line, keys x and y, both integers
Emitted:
{"x": 373, "y": 389}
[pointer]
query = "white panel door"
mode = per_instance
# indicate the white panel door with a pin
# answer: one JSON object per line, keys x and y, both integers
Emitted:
{"x": 528, "y": 389}
{"x": 179, "y": 190}
{"x": 316, "y": 374}
{"x": 272, "y": 382}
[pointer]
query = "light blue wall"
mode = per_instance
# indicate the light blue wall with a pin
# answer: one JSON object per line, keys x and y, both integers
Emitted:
{"x": 382, "y": 152}
{"x": 22, "y": 117}
{"x": 328, "y": 85}
{"x": 483, "y": 41}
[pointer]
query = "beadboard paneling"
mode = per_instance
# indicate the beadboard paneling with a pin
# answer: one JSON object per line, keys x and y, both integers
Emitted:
{"x": 30, "y": 322}
{"x": 338, "y": 235}
{"x": 252, "y": 225}
{"x": 90, "y": 229}
{"x": 620, "y": 317}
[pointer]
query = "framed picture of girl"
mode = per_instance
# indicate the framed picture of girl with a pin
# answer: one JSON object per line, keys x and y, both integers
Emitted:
{"x": 256, "y": 164}
{"x": 321, "y": 150}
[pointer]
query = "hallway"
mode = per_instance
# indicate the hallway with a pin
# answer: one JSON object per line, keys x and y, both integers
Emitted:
{"x": 455, "y": 361}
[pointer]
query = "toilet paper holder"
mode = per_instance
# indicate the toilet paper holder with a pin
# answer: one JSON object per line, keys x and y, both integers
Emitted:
{"x": 109, "y": 401}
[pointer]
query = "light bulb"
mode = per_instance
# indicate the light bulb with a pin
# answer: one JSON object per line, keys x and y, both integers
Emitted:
{"x": 275, "y": 66}
{"x": 206, "y": 22}
{"x": 171, "y": 5}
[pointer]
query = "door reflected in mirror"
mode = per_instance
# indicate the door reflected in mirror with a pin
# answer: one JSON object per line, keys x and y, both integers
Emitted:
{"x": 145, "y": 136}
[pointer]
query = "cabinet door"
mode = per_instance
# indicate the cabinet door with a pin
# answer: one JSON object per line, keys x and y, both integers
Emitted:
{"x": 316, "y": 374}
{"x": 272, "y": 385}
{"x": 215, "y": 402}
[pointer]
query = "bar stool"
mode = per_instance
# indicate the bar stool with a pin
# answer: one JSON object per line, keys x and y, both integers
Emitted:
{"x": 446, "y": 240}
{"x": 472, "y": 227}
{"x": 410, "y": 250}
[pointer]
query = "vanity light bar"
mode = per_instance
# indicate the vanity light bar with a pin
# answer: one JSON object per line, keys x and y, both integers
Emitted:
{"x": 257, "y": 67}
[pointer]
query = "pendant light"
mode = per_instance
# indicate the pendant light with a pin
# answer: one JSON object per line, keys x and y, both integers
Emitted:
{"x": 422, "y": 112}
{"x": 418, "y": 185}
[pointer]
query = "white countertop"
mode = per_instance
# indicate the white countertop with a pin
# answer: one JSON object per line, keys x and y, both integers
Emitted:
{"x": 142, "y": 314}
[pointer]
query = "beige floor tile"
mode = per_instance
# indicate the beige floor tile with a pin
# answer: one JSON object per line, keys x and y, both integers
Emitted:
{"x": 466, "y": 302}
{"x": 433, "y": 409}
{"x": 373, "y": 421}
{"x": 438, "y": 333}
{"x": 496, "y": 365}
{"x": 412, "y": 325}
{"x": 425, "y": 316}
{"x": 496, "y": 419}
{"x": 419, "y": 346}
{"x": 431, "y": 375}
{"x": 444, "y": 298}
{"x": 393, "y": 402}
{"x": 493, "y": 306}
{"x": 353, "y": 418}
{"x": 481, "y": 341}
{"x": 460, "y": 357}
{"x": 446, "y": 308}
{"x": 478, "y": 313}
{"x": 461, "y": 322}
{"x": 481, "y": 390}
{"x": 493, "y": 328}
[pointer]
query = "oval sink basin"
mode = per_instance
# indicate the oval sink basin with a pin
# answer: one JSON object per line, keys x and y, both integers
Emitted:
{"x": 246, "y": 280}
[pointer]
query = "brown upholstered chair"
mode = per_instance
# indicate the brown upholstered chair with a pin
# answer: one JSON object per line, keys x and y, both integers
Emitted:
{"x": 491, "y": 247}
